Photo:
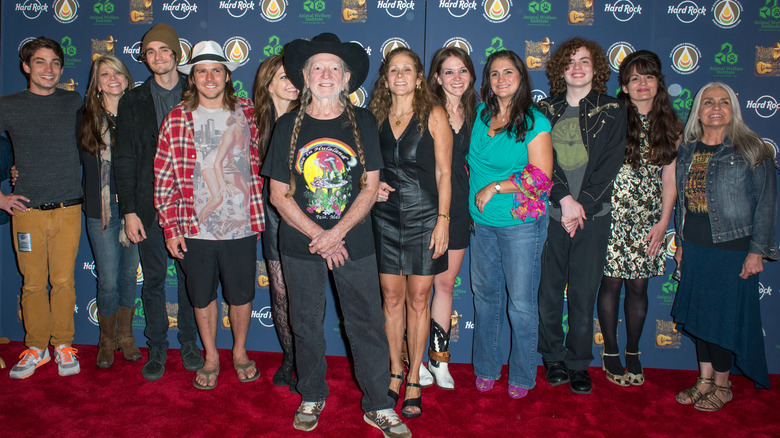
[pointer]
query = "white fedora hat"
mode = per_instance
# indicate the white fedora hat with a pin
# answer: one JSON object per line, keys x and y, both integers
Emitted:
{"x": 207, "y": 52}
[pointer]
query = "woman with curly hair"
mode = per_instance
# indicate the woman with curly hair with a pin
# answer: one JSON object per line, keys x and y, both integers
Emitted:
{"x": 642, "y": 203}
{"x": 411, "y": 219}
{"x": 275, "y": 95}
{"x": 589, "y": 137}
{"x": 725, "y": 217}
{"x": 451, "y": 80}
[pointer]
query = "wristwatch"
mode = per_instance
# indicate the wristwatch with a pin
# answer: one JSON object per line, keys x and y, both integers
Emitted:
{"x": 497, "y": 187}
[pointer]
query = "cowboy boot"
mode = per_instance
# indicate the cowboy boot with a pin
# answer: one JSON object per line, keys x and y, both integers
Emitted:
{"x": 439, "y": 355}
{"x": 126, "y": 340}
{"x": 107, "y": 343}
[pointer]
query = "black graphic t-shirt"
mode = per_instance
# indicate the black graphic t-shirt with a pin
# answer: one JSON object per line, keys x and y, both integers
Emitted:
{"x": 697, "y": 228}
{"x": 327, "y": 171}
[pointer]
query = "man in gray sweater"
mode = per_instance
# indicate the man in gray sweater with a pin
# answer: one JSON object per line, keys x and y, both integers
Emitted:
{"x": 45, "y": 206}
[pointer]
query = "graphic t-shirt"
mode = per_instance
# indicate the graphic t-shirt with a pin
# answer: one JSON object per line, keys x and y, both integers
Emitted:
{"x": 570, "y": 152}
{"x": 327, "y": 171}
{"x": 222, "y": 174}
{"x": 697, "y": 228}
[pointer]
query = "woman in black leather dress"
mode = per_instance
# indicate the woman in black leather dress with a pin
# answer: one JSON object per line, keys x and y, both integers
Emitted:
{"x": 411, "y": 220}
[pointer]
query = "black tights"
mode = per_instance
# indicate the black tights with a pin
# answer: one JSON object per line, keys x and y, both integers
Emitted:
{"x": 635, "y": 310}
{"x": 719, "y": 357}
{"x": 281, "y": 316}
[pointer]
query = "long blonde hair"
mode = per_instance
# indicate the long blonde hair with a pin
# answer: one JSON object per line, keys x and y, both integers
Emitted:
{"x": 752, "y": 148}
{"x": 92, "y": 126}
{"x": 305, "y": 101}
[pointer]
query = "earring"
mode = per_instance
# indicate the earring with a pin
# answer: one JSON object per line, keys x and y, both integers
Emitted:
{"x": 491, "y": 93}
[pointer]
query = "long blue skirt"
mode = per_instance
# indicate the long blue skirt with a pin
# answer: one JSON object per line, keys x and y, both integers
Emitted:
{"x": 715, "y": 305}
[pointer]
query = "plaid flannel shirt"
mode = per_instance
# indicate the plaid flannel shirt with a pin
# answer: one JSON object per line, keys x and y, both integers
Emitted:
{"x": 174, "y": 165}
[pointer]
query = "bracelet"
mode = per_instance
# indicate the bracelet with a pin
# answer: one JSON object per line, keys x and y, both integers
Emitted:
{"x": 445, "y": 216}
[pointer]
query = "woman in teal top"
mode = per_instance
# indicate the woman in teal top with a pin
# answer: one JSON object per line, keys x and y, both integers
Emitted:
{"x": 510, "y": 163}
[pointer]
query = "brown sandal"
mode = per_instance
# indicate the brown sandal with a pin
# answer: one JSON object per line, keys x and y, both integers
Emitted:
{"x": 714, "y": 402}
{"x": 692, "y": 394}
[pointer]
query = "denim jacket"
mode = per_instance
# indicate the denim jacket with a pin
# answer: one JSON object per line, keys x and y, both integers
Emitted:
{"x": 741, "y": 202}
{"x": 603, "y": 129}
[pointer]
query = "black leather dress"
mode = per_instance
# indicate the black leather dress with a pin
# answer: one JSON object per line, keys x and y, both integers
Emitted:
{"x": 404, "y": 223}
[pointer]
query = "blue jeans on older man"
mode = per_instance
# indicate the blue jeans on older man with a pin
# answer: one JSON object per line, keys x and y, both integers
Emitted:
{"x": 116, "y": 265}
{"x": 505, "y": 262}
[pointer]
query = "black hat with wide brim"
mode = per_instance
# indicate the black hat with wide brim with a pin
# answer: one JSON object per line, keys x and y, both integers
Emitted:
{"x": 299, "y": 51}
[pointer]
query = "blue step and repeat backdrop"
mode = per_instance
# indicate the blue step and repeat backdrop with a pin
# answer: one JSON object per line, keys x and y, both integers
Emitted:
{"x": 734, "y": 41}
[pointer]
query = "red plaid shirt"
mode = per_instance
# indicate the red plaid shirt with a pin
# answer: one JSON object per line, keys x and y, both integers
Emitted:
{"x": 174, "y": 164}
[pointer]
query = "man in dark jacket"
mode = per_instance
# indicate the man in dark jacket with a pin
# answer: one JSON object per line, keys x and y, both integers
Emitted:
{"x": 141, "y": 111}
{"x": 589, "y": 134}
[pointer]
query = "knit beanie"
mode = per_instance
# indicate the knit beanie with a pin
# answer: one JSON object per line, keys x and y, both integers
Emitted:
{"x": 165, "y": 34}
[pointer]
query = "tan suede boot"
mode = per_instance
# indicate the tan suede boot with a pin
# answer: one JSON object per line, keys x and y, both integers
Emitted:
{"x": 107, "y": 344}
{"x": 126, "y": 340}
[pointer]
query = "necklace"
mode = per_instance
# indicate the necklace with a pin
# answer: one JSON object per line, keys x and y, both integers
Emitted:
{"x": 398, "y": 118}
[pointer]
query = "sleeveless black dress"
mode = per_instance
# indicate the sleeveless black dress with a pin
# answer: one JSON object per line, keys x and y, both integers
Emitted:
{"x": 460, "y": 219}
{"x": 404, "y": 223}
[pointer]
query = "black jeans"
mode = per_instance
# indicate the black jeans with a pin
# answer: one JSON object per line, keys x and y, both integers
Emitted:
{"x": 357, "y": 286}
{"x": 580, "y": 262}
{"x": 154, "y": 262}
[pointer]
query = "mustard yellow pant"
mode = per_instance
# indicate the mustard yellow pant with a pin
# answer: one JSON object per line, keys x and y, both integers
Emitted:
{"x": 52, "y": 237}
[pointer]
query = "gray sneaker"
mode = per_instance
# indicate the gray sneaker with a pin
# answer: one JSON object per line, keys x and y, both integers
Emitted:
{"x": 388, "y": 422}
{"x": 155, "y": 364}
{"x": 31, "y": 359}
{"x": 67, "y": 362}
{"x": 191, "y": 357}
{"x": 308, "y": 415}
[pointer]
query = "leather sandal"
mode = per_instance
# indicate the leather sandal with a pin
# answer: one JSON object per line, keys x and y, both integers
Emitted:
{"x": 393, "y": 394}
{"x": 620, "y": 380}
{"x": 634, "y": 379}
{"x": 207, "y": 374}
{"x": 412, "y": 402}
{"x": 692, "y": 395}
{"x": 242, "y": 368}
{"x": 710, "y": 402}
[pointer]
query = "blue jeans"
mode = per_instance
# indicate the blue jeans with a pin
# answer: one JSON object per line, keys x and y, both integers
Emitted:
{"x": 357, "y": 286}
{"x": 154, "y": 261}
{"x": 505, "y": 261}
{"x": 116, "y": 265}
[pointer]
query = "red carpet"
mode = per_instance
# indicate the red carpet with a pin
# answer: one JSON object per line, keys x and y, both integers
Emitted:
{"x": 118, "y": 402}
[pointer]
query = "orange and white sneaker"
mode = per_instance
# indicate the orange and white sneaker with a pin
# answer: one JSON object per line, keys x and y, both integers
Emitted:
{"x": 31, "y": 359}
{"x": 67, "y": 361}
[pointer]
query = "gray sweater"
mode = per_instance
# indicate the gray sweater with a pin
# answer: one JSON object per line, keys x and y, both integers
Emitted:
{"x": 43, "y": 132}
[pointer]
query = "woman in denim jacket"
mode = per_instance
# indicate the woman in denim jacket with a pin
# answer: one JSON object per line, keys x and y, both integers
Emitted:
{"x": 726, "y": 210}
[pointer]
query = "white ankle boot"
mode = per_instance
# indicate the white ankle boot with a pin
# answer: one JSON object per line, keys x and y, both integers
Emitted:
{"x": 426, "y": 379}
{"x": 442, "y": 375}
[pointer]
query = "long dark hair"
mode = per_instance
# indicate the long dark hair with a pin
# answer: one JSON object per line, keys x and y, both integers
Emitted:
{"x": 469, "y": 99}
{"x": 381, "y": 99}
{"x": 522, "y": 102}
{"x": 665, "y": 127}
{"x": 91, "y": 123}
{"x": 265, "y": 112}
